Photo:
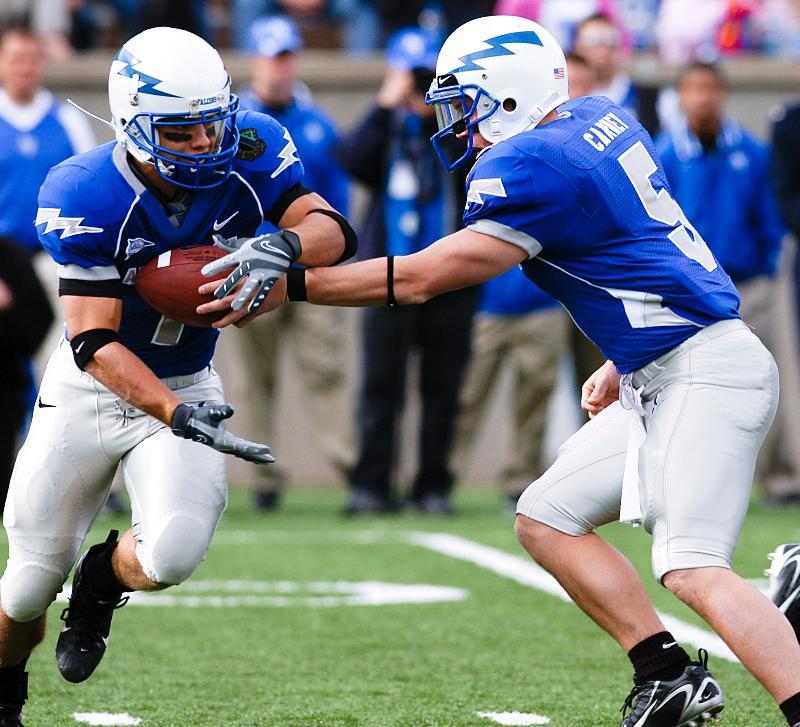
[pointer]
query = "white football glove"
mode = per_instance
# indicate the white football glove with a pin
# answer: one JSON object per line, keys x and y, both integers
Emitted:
{"x": 262, "y": 259}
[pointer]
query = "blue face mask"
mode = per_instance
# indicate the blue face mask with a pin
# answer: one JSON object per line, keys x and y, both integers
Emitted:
{"x": 455, "y": 107}
{"x": 191, "y": 171}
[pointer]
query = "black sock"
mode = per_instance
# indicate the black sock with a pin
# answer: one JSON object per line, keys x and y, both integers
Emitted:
{"x": 14, "y": 685}
{"x": 791, "y": 709}
{"x": 658, "y": 657}
{"x": 99, "y": 572}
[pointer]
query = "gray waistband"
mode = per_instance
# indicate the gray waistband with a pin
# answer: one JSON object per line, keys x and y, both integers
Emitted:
{"x": 703, "y": 336}
{"x": 179, "y": 382}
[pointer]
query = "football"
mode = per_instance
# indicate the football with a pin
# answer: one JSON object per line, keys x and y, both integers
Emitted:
{"x": 170, "y": 281}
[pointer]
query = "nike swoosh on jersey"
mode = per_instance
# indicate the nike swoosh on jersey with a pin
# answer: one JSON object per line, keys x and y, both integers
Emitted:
{"x": 42, "y": 405}
{"x": 219, "y": 225}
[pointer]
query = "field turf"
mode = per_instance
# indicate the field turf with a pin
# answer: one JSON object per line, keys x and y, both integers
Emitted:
{"x": 505, "y": 647}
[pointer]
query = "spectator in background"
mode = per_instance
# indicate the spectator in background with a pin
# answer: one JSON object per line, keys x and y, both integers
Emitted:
{"x": 413, "y": 203}
{"x": 314, "y": 332}
{"x": 441, "y": 17}
{"x": 37, "y": 131}
{"x": 639, "y": 18}
{"x": 786, "y": 179}
{"x": 49, "y": 20}
{"x": 25, "y": 317}
{"x": 582, "y": 77}
{"x": 598, "y": 39}
{"x": 727, "y": 27}
{"x": 720, "y": 176}
{"x": 562, "y": 17}
{"x": 521, "y": 328}
{"x": 246, "y": 12}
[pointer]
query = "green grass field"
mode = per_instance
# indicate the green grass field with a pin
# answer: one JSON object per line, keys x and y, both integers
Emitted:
{"x": 287, "y": 660}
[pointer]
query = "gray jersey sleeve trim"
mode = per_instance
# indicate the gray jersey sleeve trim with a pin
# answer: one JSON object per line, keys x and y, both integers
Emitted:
{"x": 508, "y": 234}
{"x": 76, "y": 272}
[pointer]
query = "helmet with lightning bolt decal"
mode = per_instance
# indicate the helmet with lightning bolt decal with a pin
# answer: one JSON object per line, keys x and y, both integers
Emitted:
{"x": 500, "y": 74}
{"x": 169, "y": 77}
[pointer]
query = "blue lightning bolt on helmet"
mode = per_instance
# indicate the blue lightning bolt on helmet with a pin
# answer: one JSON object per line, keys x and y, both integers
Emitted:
{"x": 500, "y": 75}
{"x": 165, "y": 77}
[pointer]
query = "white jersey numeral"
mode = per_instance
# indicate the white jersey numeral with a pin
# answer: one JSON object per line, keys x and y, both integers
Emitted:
{"x": 639, "y": 166}
{"x": 168, "y": 332}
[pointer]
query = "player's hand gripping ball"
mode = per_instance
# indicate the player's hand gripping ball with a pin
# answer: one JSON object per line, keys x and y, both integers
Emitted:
{"x": 170, "y": 281}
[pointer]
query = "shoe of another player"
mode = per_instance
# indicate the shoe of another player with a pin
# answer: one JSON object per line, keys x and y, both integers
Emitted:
{"x": 87, "y": 624}
{"x": 784, "y": 581}
{"x": 692, "y": 699}
{"x": 10, "y": 716}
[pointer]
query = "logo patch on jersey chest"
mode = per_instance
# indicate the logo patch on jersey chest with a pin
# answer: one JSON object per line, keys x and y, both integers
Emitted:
{"x": 251, "y": 145}
{"x": 136, "y": 244}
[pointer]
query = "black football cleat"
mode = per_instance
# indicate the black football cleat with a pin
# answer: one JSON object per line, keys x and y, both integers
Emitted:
{"x": 692, "y": 699}
{"x": 784, "y": 581}
{"x": 87, "y": 623}
{"x": 13, "y": 693}
{"x": 11, "y": 717}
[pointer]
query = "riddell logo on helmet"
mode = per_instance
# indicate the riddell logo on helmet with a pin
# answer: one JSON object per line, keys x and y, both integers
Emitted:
{"x": 204, "y": 101}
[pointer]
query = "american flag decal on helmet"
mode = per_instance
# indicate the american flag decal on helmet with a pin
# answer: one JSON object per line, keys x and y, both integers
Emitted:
{"x": 558, "y": 74}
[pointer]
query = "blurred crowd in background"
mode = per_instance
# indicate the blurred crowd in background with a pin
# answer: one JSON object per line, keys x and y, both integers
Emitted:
{"x": 678, "y": 30}
{"x": 742, "y": 196}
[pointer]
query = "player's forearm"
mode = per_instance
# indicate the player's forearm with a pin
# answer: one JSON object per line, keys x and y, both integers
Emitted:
{"x": 367, "y": 283}
{"x": 321, "y": 239}
{"x": 124, "y": 373}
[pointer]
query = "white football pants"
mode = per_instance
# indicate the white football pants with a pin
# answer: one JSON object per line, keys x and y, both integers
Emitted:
{"x": 79, "y": 434}
{"x": 711, "y": 402}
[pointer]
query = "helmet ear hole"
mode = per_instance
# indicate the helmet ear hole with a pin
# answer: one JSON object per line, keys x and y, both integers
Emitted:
{"x": 509, "y": 105}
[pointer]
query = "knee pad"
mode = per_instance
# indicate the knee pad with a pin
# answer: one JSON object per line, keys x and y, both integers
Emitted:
{"x": 177, "y": 550}
{"x": 27, "y": 590}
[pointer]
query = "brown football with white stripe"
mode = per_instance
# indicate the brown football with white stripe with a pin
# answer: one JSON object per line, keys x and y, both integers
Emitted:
{"x": 170, "y": 281}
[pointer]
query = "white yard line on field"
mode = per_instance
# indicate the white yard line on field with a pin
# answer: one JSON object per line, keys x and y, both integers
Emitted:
{"x": 526, "y": 572}
{"x": 514, "y": 718}
{"x": 233, "y": 594}
{"x": 106, "y": 718}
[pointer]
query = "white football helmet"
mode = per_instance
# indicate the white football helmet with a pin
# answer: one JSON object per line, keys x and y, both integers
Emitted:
{"x": 170, "y": 77}
{"x": 501, "y": 74}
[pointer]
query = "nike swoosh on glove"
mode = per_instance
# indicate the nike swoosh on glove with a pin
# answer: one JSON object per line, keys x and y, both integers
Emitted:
{"x": 262, "y": 259}
{"x": 206, "y": 424}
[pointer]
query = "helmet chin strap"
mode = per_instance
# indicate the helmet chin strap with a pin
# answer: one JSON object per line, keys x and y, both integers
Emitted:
{"x": 547, "y": 104}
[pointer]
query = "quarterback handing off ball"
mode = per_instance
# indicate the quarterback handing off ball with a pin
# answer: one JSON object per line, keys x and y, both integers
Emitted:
{"x": 169, "y": 283}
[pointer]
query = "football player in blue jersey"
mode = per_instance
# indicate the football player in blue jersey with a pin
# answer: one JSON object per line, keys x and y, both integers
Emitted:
{"x": 128, "y": 385}
{"x": 574, "y": 192}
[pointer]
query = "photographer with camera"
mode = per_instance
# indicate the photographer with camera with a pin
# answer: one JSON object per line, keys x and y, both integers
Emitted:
{"x": 413, "y": 203}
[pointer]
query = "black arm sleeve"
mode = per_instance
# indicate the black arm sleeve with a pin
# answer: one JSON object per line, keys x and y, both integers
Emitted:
{"x": 362, "y": 151}
{"x": 282, "y": 203}
{"x": 91, "y": 288}
{"x": 25, "y": 323}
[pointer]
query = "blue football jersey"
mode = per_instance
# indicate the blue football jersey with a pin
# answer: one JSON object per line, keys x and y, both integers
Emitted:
{"x": 587, "y": 198}
{"x": 100, "y": 223}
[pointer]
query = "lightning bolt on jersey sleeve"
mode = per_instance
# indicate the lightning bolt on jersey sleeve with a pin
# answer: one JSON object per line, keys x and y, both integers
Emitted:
{"x": 76, "y": 228}
{"x": 511, "y": 195}
{"x": 268, "y": 163}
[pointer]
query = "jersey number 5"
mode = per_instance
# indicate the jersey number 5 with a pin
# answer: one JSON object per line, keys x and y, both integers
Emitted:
{"x": 639, "y": 166}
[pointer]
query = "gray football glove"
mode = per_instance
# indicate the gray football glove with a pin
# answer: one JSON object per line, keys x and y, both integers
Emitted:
{"x": 205, "y": 424}
{"x": 262, "y": 259}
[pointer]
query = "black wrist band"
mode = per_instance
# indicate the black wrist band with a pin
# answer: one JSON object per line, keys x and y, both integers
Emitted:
{"x": 390, "y": 299}
{"x": 296, "y": 284}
